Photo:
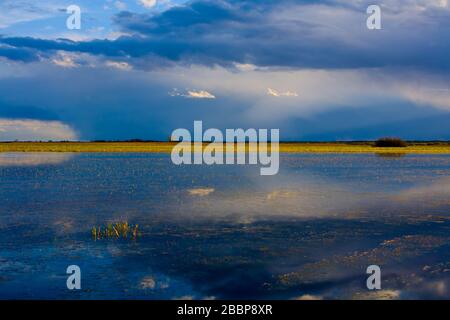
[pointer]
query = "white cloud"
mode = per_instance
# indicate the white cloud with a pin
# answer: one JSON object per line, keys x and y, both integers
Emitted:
{"x": 437, "y": 96}
{"x": 65, "y": 60}
{"x": 17, "y": 11}
{"x": 201, "y": 94}
{"x": 320, "y": 90}
{"x": 194, "y": 94}
{"x": 118, "y": 65}
{"x": 275, "y": 93}
{"x": 120, "y": 5}
{"x": 245, "y": 67}
{"x": 35, "y": 130}
{"x": 148, "y": 3}
{"x": 116, "y": 34}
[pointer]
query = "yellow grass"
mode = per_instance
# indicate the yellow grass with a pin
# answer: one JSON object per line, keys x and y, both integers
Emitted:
{"x": 362, "y": 148}
{"x": 166, "y": 147}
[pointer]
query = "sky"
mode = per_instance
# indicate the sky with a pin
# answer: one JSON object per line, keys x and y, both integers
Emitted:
{"x": 140, "y": 69}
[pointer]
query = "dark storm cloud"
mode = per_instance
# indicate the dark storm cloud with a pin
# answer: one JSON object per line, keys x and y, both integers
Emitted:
{"x": 25, "y": 112}
{"x": 19, "y": 54}
{"x": 198, "y": 13}
{"x": 280, "y": 33}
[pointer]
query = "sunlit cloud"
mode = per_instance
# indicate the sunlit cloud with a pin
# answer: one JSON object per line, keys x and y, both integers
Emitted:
{"x": 275, "y": 93}
{"x": 65, "y": 60}
{"x": 118, "y": 65}
{"x": 194, "y": 94}
{"x": 438, "y": 97}
{"x": 245, "y": 66}
{"x": 148, "y": 3}
{"x": 321, "y": 90}
{"x": 35, "y": 130}
{"x": 201, "y": 94}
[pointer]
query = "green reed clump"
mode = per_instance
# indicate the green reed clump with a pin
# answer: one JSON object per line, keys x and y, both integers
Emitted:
{"x": 116, "y": 230}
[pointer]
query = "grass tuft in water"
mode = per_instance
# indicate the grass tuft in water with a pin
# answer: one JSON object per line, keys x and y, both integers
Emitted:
{"x": 116, "y": 230}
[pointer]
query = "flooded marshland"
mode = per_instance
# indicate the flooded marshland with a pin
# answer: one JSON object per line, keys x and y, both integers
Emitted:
{"x": 212, "y": 232}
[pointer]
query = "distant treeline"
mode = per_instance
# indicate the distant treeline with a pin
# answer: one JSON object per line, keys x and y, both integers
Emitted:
{"x": 129, "y": 140}
{"x": 353, "y": 142}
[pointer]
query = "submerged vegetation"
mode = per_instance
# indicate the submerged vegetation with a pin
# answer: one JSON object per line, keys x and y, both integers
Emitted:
{"x": 116, "y": 230}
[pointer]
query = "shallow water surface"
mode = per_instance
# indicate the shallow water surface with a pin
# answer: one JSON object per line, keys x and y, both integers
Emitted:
{"x": 225, "y": 231}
